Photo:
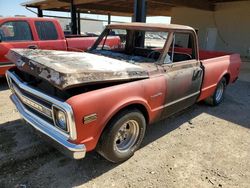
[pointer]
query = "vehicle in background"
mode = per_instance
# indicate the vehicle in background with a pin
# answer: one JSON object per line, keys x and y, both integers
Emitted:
{"x": 40, "y": 33}
{"x": 104, "y": 99}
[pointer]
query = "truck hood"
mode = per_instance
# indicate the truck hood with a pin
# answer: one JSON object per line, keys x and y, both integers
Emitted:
{"x": 70, "y": 69}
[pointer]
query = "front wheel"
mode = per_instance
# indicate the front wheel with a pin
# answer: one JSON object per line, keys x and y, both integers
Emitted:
{"x": 218, "y": 95}
{"x": 123, "y": 136}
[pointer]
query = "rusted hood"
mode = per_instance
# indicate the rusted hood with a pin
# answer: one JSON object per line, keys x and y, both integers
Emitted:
{"x": 68, "y": 69}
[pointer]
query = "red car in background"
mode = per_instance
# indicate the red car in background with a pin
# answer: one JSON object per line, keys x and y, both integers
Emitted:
{"x": 40, "y": 33}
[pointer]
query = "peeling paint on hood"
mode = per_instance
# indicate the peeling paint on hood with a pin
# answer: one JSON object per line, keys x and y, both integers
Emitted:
{"x": 68, "y": 69}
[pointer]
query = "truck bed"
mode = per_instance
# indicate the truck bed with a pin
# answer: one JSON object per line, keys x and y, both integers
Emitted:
{"x": 215, "y": 66}
{"x": 83, "y": 43}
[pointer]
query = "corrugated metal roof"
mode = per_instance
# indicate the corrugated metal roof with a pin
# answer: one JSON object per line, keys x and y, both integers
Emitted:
{"x": 122, "y": 7}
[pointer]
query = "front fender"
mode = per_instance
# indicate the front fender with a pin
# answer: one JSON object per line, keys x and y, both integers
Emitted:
{"x": 105, "y": 103}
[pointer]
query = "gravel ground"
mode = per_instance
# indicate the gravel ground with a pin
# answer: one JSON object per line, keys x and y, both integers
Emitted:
{"x": 201, "y": 147}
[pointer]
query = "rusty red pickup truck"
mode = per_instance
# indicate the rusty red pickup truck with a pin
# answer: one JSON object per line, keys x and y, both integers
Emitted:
{"x": 42, "y": 33}
{"x": 104, "y": 99}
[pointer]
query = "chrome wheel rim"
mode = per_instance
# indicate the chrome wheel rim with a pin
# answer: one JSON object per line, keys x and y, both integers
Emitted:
{"x": 127, "y": 136}
{"x": 219, "y": 92}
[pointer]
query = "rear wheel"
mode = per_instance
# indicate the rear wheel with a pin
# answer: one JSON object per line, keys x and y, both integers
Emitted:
{"x": 123, "y": 136}
{"x": 218, "y": 95}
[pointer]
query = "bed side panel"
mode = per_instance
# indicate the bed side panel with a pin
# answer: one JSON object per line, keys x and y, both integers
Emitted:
{"x": 215, "y": 69}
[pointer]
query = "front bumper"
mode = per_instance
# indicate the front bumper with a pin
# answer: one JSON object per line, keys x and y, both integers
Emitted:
{"x": 60, "y": 141}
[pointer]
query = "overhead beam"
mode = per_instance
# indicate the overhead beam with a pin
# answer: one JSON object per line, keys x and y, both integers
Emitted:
{"x": 107, "y": 8}
{"x": 101, "y": 12}
{"x": 157, "y": 12}
{"x": 113, "y": 7}
{"x": 118, "y": 7}
{"x": 65, "y": 3}
{"x": 81, "y": 2}
{"x": 119, "y": 10}
{"x": 53, "y": 4}
{"x": 198, "y": 4}
{"x": 62, "y": 5}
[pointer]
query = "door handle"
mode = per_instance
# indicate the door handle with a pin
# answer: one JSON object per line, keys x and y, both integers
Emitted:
{"x": 33, "y": 47}
{"x": 197, "y": 74}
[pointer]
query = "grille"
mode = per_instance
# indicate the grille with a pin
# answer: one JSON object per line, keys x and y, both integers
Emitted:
{"x": 33, "y": 103}
{"x": 41, "y": 105}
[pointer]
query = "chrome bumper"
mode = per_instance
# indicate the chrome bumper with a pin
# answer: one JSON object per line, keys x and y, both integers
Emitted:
{"x": 60, "y": 141}
{"x": 6, "y": 64}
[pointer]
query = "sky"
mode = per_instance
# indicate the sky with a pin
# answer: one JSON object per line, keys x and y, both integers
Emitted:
{"x": 13, "y": 7}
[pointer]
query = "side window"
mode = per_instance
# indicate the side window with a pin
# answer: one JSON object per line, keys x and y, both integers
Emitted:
{"x": 155, "y": 39}
{"x": 182, "y": 48}
{"x": 46, "y": 30}
{"x": 15, "y": 31}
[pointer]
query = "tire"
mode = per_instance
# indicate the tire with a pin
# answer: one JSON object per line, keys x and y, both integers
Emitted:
{"x": 218, "y": 94}
{"x": 123, "y": 136}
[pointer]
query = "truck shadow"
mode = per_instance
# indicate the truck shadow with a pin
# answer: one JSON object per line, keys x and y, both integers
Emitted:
{"x": 234, "y": 109}
{"x": 236, "y": 101}
{"x": 236, "y": 106}
{"x": 81, "y": 171}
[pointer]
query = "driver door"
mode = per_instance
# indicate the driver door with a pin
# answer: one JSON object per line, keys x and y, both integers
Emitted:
{"x": 183, "y": 73}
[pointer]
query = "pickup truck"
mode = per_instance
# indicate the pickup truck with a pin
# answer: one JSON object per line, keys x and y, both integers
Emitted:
{"x": 42, "y": 33}
{"x": 104, "y": 99}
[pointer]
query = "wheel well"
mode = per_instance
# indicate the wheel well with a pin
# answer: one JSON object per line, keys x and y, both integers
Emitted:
{"x": 227, "y": 76}
{"x": 139, "y": 107}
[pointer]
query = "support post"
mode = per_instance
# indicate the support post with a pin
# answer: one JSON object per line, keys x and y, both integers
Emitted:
{"x": 109, "y": 18}
{"x": 73, "y": 18}
{"x": 140, "y": 11}
{"x": 140, "y": 15}
{"x": 39, "y": 12}
{"x": 78, "y": 23}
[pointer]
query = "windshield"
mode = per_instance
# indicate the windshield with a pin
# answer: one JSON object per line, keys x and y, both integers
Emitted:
{"x": 131, "y": 45}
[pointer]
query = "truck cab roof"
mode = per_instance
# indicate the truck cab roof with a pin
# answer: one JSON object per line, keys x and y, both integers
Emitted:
{"x": 26, "y": 18}
{"x": 150, "y": 26}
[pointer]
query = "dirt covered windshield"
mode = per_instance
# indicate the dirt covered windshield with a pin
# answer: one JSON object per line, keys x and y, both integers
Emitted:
{"x": 133, "y": 46}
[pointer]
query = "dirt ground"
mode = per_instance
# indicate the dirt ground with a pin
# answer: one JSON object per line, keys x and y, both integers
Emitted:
{"x": 200, "y": 147}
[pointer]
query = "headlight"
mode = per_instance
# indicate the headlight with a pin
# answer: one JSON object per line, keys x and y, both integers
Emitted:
{"x": 60, "y": 119}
